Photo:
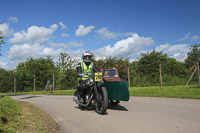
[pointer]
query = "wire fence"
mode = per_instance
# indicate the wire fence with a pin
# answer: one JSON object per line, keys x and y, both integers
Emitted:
{"x": 41, "y": 81}
{"x": 36, "y": 82}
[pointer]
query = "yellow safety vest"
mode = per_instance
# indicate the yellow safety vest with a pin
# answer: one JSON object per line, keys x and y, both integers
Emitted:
{"x": 88, "y": 70}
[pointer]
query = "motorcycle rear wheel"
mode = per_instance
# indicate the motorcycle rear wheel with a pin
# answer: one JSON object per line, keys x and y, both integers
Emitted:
{"x": 102, "y": 105}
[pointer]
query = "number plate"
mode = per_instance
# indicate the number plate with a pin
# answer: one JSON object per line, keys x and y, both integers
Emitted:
{"x": 98, "y": 77}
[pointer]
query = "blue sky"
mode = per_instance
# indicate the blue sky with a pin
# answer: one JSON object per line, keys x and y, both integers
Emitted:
{"x": 116, "y": 28}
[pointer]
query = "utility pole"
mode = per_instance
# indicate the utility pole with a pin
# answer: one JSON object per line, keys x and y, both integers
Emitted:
{"x": 160, "y": 75}
{"x": 15, "y": 88}
{"x": 34, "y": 82}
{"x": 53, "y": 81}
{"x": 128, "y": 78}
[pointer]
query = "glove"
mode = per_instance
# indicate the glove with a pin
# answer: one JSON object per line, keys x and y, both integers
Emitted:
{"x": 79, "y": 75}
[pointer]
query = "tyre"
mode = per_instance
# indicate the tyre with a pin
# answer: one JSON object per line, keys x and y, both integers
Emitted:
{"x": 102, "y": 105}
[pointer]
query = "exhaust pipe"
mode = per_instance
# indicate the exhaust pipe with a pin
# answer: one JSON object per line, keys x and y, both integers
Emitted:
{"x": 78, "y": 102}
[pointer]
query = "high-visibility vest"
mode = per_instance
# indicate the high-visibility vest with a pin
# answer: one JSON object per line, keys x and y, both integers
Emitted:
{"x": 86, "y": 69}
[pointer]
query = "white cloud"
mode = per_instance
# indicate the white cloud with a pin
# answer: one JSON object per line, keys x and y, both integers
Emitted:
{"x": 106, "y": 34}
{"x": 8, "y": 65}
{"x": 21, "y": 52}
{"x": 173, "y": 49}
{"x": 6, "y": 30}
{"x": 62, "y": 26}
{"x": 184, "y": 38}
{"x": 13, "y": 19}
{"x": 178, "y": 51}
{"x": 180, "y": 57}
{"x": 65, "y": 35}
{"x": 33, "y": 35}
{"x": 67, "y": 45}
{"x": 82, "y": 30}
{"x": 195, "y": 38}
{"x": 187, "y": 37}
{"x": 125, "y": 48}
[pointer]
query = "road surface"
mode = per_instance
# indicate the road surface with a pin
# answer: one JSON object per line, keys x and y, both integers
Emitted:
{"x": 139, "y": 115}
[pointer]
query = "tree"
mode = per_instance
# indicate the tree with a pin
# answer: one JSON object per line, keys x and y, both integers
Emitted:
{"x": 41, "y": 68}
{"x": 66, "y": 62}
{"x": 148, "y": 67}
{"x": 6, "y": 80}
{"x": 1, "y": 41}
{"x": 193, "y": 55}
{"x": 148, "y": 64}
{"x": 121, "y": 64}
{"x": 67, "y": 73}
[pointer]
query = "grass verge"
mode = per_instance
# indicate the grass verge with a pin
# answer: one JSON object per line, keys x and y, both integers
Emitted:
{"x": 24, "y": 117}
{"x": 190, "y": 91}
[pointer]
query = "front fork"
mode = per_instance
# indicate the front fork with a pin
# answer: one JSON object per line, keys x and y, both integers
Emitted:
{"x": 96, "y": 92}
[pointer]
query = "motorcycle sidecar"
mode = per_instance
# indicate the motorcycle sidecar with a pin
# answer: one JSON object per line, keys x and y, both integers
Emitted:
{"x": 117, "y": 89}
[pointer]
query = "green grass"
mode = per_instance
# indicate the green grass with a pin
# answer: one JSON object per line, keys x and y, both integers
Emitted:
{"x": 56, "y": 92}
{"x": 9, "y": 113}
{"x": 190, "y": 91}
{"x": 22, "y": 117}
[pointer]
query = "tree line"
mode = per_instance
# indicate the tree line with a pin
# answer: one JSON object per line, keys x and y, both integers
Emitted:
{"x": 144, "y": 72}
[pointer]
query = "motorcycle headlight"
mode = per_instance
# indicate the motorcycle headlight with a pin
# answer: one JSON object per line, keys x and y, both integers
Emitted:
{"x": 90, "y": 82}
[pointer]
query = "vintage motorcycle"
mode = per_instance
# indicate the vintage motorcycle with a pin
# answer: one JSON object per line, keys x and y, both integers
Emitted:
{"x": 95, "y": 94}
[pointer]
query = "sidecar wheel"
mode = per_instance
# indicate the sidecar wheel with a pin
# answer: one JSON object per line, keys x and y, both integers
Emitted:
{"x": 102, "y": 105}
{"x": 114, "y": 102}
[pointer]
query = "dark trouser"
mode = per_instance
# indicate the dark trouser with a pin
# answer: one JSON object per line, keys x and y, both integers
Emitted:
{"x": 81, "y": 87}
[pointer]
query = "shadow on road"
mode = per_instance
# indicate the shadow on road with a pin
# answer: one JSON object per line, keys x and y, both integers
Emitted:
{"x": 117, "y": 107}
{"x": 30, "y": 97}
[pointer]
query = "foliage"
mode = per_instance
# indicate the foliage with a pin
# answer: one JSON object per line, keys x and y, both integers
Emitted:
{"x": 149, "y": 64}
{"x": 148, "y": 68}
{"x": 1, "y": 41}
{"x": 193, "y": 56}
{"x": 6, "y": 80}
{"x": 66, "y": 72}
{"x": 41, "y": 68}
{"x": 144, "y": 72}
{"x": 121, "y": 64}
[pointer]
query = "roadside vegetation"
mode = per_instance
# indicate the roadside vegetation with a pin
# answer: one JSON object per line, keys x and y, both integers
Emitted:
{"x": 34, "y": 74}
{"x": 23, "y": 117}
{"x": 190, "y": 91}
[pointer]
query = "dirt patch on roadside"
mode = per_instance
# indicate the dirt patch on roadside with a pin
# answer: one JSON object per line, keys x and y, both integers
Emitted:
{"x": 37, "y": 120}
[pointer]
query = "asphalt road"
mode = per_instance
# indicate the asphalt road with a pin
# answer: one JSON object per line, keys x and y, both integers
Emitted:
{"x": 139, "y": 115}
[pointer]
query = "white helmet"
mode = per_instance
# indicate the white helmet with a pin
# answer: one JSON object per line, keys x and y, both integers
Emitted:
{"x": 87, "y": 56}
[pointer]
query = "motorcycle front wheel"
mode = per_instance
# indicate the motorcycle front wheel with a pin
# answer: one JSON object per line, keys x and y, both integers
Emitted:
{"x": 102, "y": 104}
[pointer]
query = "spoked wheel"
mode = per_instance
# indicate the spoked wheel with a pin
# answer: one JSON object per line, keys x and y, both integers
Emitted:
{"x": 102, "y": 105}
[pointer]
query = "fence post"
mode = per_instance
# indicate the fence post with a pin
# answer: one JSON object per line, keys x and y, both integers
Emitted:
{"x": 128, "y": 78}
{"x": 34, "y": 82}
{"x": 198, "y": 72}
{"x": 160, "y": 75}
{"x": 15, "y": 88}
{"x": 53, "y": 81}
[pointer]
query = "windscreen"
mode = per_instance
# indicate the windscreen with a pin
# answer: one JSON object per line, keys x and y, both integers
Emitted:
{"x": 110, "y": 73}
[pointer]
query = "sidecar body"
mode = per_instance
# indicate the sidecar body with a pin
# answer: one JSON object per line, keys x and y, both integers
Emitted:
{"x": 117, "y": 89}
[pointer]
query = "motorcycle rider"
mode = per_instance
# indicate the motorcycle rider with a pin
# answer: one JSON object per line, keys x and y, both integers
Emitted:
{"x": 85, "y": 69}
